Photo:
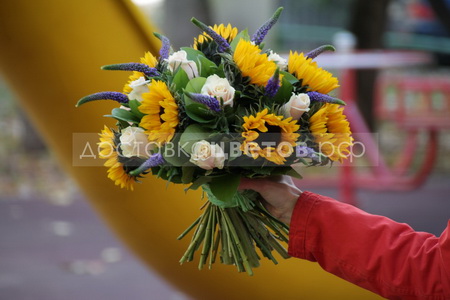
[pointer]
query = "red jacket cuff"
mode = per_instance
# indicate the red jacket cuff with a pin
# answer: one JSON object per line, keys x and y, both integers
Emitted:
{"x": 299, "y": 223}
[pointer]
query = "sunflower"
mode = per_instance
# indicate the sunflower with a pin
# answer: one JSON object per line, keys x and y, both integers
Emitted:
{"x": 253, "y": 63}
{"x": 227, "y": 32}
{"x": 279, "y": 136}
{"x": 161, "y": 111}
{"x": 150, "y": 61}
{"x": 108, "y": 151}
{"x": 317, "y": 79}
{"x": 331, "y": 131}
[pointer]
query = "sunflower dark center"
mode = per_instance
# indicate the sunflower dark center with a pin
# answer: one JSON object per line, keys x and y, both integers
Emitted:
{"x": 161, "y": 112}
{"x": 271, "y": 138}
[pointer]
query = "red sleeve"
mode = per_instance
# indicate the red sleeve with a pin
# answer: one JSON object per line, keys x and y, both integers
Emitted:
{"x": 371, "y": 251}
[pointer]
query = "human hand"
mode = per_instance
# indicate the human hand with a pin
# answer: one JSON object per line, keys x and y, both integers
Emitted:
{"x": 280, "y": 194}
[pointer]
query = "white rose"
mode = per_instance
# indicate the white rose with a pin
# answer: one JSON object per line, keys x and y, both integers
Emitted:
{"x": 207, "y": 156}
{"x": 179, "y": 59}
{"x": 280, "y": 61}
{"x": 220, "y": 88}
{"x": 296, "y": 106}
{"x": 134, "y": 142}
{"x": 139, "y": 87}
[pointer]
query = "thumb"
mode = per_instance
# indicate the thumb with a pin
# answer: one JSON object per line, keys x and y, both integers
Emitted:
{"x": 250, "y": 184}
{"x": 256, "y": 184}
{"x": 246, "y": 184}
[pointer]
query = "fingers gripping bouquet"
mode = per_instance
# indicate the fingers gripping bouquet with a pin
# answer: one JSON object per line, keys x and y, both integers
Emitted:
{"x": 213, "y": 113}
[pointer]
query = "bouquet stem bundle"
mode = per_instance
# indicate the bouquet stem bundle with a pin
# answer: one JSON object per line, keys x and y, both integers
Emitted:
{"x": 235, "y": 234}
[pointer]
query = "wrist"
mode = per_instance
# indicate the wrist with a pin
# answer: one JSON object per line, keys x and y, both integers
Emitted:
{"x": 286, "y": 216}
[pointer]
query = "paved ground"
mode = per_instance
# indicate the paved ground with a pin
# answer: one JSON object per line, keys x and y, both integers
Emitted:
{"x": 54, "y": 252}
{"x": 50, "y": 252}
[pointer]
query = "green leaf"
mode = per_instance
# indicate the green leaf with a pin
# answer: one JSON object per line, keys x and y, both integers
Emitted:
{"x": 241, "y": 35}
{"x": 199, "y": 113}
{"x": 195, "y": 85}
{"x": 180, "y": 79}
{"x": 220, "y": 71}
{"x": 192, "y": 54}
{"x": 191, "y": 135}
{"x": 173, "y": 175}
{"x": 174, "y": 155}
{"x": 284, "y": 92}
{"x": 123, "y": 115}
{"x": 224, "y": 189}
{"x": 196, "y": 111}
{"x": 121, "y": 124}
{"x": 289, "y": 77}
{"x": 261, "y": 171}
{"x": 134, "y": 106}
{"x": 199, "y": 182}
{"x": 187, "y": 174}
{"x": 206, "y": 66}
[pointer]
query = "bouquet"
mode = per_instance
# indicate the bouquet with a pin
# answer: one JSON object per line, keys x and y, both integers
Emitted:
{"x": 224, "y": 109}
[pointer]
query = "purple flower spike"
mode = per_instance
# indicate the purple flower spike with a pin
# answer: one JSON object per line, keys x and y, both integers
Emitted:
{"x": 115, "y": 96}
{"x": 305, "y": 152}
{"x": 148, "y": 71}
{"x": 165, "y": 48}
{"x": 221, "y": 42}
{"x": 316, "y": 96}
{"x": 211, "y": 102}
{"x": 153, "y": 161}
{"x": 262, "y": 31}
{"x": 273, "y": 85}
{"x": 316, "y": 52}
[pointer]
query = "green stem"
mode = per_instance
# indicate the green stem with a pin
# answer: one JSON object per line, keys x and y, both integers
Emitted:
{"x": 207, "y": 239}
{"x": 275, "y": 228}
{"x": 189, "y": 228}
{"x": 259, "y": 235}
{"x": 261, "y": 209}
{"x": 215, "y": 239}
{"x": 196, "y": 239}
{"x": 235, "y": 233}
{"x": 238, "y": 244}
{"x": 245, "y": 237}
{"x": 225, "y": 254}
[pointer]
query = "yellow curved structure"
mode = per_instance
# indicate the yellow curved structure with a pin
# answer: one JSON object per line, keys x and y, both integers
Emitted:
{"x": 50, "y": 54}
